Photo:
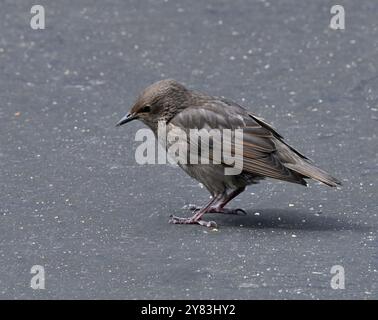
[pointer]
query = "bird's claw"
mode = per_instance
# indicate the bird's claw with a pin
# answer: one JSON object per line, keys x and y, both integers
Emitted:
{"x": 228, "y": 211}
{"x": 193, "y": 207}
{"x": 179, "y": 220}
{"x": 208, "y": 224}
{"x": 238, "y": 211}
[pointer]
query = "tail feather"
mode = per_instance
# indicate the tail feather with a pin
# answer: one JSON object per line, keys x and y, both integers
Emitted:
{"x": 308, "y": 170}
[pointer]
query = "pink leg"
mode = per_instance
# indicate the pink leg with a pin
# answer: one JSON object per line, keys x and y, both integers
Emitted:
{"x": 219, "y": 206}
{"x": 197, "y": 217}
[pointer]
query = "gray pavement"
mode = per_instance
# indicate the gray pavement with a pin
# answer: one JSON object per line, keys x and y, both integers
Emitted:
{"x": 73, "y": 199}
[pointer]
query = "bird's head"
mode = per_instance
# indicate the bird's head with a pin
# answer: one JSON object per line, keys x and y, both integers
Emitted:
{"x": 160, "y": 101}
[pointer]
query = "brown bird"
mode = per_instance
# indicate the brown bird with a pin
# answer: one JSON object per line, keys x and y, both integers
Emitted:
{"x": 265, "y": 153}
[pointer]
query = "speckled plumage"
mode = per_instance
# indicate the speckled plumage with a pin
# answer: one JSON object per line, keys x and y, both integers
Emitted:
{"x": 265, "y": 153}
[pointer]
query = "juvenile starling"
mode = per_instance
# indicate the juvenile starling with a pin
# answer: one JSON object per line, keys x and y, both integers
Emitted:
{"x": 265, "y": 153}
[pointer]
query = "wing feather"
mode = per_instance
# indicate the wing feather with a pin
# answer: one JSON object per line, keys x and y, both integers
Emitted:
{"x": 259, "y": 139}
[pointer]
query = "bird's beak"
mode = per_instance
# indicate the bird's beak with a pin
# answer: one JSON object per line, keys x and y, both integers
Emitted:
{"x": 127, "y": 118}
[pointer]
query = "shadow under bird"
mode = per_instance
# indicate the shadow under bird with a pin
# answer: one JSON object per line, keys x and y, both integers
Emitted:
{"x": 265, "y": 153}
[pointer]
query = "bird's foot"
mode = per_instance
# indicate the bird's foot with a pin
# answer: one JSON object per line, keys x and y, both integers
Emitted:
{"x": 179, "y": 220}
{"x": 227, "y": 211}
{"x": 237, "y": 211}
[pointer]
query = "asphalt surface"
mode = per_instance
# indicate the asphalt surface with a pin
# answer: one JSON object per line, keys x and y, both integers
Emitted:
{"x": 73, "y": 199}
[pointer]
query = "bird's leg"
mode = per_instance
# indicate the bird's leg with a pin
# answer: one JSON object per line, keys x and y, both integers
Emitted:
{"x": 197, "y": 217}
{"x": 219, "y": 206}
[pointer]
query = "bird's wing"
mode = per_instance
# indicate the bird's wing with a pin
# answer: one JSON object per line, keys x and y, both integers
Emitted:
{"x": 260, "y": 140}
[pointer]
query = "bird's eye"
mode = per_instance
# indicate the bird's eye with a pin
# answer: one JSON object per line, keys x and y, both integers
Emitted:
{"x": 146, "y": 109}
